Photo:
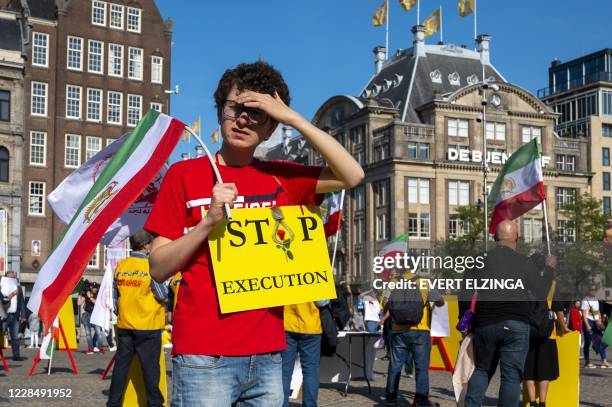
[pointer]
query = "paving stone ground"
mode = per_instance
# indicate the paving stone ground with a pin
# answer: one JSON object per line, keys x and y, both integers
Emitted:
{"x": 88, "y": 390}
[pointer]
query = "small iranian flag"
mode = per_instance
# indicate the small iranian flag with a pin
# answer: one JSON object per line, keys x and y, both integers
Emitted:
{"x": 331, "y": 212}
{"x": 519, "y": 186}
{"x": 133, "y": 166}
{"x": 397, "y": 245}
{"x": 49, "y": 341}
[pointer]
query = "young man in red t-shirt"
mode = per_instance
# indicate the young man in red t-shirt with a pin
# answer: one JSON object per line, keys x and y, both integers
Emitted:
{"x": 221, "y": 359}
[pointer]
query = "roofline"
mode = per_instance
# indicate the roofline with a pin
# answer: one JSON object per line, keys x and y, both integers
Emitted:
{"x": 581, "y": 58}
{"x": 405, "y": 111}
{"x": 358, "y": 103}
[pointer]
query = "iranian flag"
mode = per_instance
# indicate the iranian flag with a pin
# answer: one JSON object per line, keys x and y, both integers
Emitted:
{"x": 519, "y": 186}
{"x": 140, "y": 158}
{"x": 49, "y": 341}
{"x": 331, "y": 212}
{"x": 397, "y": 245}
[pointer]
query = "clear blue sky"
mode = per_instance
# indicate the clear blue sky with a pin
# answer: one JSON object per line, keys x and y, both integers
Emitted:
{"x": 324, "y": 47}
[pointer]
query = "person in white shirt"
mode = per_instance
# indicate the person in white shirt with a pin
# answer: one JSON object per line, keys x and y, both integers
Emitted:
{"x": 371, "y": 313}
{"x": 12, "y": 300}
{"x": 592, "y": 328}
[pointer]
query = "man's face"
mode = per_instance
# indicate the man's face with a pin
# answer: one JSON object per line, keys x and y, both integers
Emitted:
{"x": 10, "y": 274}
{"x": 243, "y": 132}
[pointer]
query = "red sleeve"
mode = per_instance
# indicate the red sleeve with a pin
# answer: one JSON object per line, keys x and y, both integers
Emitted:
{"x": 301, "y": 182}
{"x": 169, "y": 214}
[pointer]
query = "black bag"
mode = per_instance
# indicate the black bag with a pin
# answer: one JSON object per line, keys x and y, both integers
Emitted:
{"x": 340, "y": 311}
{"x": 329, "y": 337}
{"x": 541, "y": 320}
{"x": 406, "y": 306}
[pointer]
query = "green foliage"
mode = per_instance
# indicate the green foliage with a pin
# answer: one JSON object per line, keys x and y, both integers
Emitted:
{"x": 586, "y": 217}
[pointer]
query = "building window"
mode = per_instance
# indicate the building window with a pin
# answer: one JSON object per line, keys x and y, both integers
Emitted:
{"x": 418, "y": 191}
{"x": 605, "y": 156}
{"x": 458, "y": 193}
{"x": 496, "y": 131}
{"x": 73, "y": 102}
{"x": 156, "y": 106}
{"x": 381, "y": 151}
{"x": 564, "y": 233}
{"x": 529, "y": 133}
{"x": 75, "y": 53}
{"x": 38, "y": 106}
{"x": 382, "y": 230}
{"x": 418, "y": 225}
{"x": 93, "y": 145}
{"x": 98, "y": 13}
{"x": 114, "y": 102}
{"x": 607, "y": 102}
{"x": 95, "y": 59}
{"x": 4, "y": 164}
{"x": 5, "y": 105}
{"x": 115, "y": 60}
{"x": 40, "y": 49}
{"x": 116, "y": 16}
{"x": 423, "y": 151}
{"x": 94, "y": 261}
{"x": 38, "y": 148}
{"x": 606, "y": 205}
{"x": 359, "y": 197}
{"x": 424, "y": 225}
{"x": 358, "y": 266}
{"x": 565, "y": 196}
{"x": 157, "y": 66}
{"x": 456, "y": 227}
{"x": 606, "y": 130}
{"x": 532, "y": 230}
{"x": 135, "y": 63}
{"x": 72, "y": 151}
{"x": 606, "y": 181}
{"x": 358, "y": 231}
{"x": 134, "y": 109}
{"x": 418, "y": 151}
{"x": 458, "y": 127}
{"x": 110, "y": 141}
{"x": 133, "y": 19}
{"x": 413, "y": 225}
{"x": 566, "y": 162}
{"x": 36, "y": 198}
{"x": 94, "y": 105}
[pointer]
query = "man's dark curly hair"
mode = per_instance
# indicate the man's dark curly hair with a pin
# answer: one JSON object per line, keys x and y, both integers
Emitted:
{"x": 258, "y": 76}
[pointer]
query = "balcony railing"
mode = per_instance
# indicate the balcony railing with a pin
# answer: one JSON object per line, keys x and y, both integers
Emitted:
{"x": 576, "y": 83}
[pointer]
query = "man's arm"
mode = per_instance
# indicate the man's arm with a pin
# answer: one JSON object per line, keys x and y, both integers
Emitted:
{"x": 160, "y": 291}
{"x": 168, "y": 256}
{"x": 343, "y": 171}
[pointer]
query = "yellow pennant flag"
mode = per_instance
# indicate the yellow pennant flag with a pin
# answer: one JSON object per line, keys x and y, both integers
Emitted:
{"x": 466, "y": 7}
{"x": 432, "y": 23}
{"x": 408, "y": 4}
{"x": 215, "y": 136}
{"x": 196, "y": 126}
{"x": 380, "y": 16}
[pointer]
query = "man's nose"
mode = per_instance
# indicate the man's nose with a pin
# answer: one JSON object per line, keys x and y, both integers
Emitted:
{"x": 243, "y": 119}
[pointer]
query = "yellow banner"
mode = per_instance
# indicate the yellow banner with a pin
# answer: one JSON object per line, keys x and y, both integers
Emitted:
{"x": 66, "y": 317}
{"x": 266, "y": 257}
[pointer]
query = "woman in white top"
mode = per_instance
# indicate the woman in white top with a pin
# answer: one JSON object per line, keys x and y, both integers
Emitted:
{"x": 593, "y": 329}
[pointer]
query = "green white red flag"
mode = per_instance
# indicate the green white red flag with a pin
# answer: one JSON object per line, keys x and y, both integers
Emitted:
{"x": 49, "y": 341}
{"x": 133, "y": 166}
{"x": 331, "y": 212}
{"x": 519, "y": 186}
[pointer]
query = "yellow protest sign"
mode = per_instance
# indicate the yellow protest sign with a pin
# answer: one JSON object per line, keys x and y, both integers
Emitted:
{"x": 135, "y": 393}
{"x": 265, "y": 257}
{"x": 66, "y": 317}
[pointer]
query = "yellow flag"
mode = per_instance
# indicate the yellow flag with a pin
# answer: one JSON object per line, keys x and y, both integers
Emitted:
{"x": 215, "y": 136}
{"x": 432, "y": 23}
{"x": 196, "y": 125}
{"x": 380, "y": 16}
{"x": 466, "y": 7}
{"x": 408, "y": 4}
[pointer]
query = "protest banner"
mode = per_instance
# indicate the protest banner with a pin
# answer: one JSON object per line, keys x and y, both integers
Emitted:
{"x": 266, "y": 257}
{"x": 135, "y": 393}
{"x": 66, "y": 315}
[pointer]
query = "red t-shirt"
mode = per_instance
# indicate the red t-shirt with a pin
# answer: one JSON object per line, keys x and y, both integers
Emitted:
{"x": 199, "y": 327}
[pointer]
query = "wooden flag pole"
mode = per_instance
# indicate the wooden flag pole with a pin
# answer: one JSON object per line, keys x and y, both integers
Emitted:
{"x": 544, "y": 205}
{"x": 228, "y": 212}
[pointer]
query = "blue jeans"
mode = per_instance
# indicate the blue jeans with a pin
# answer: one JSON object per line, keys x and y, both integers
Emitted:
{"x": 507, "y": 343}
{"x": 220, "y": 381}
{"x": 12, "y": 323}
{"x": 95, "y": 341}
{"x": 100, "y": 334}
{"x": 372, "y": 326}
{"x": 309, "y": 348}
{"x": 589, "y": 338}
{"x": 409, "y": 345}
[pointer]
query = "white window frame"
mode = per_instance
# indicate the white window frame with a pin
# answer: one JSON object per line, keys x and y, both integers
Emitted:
{"x": 35, "y": 47}
{"x": 116, "y": 8}
{"x": 381, "y": 227}
{"x": 43, "y": 146}
{"x": 90, "y": 152}
{"x": 139, "y": 19}
{"x": 109, "y": 96}
{"x": 455, "y": 189}
{"x": 91, "y": 102}
{"x": 68, "y": 100}
{"x": 78, "y": 151}
{"x": 104, "y": 14}
{"x": 94, "y": 261}
{"x": 528, "y": 131}
{"x": 101, "y": 55}
{"x": 112, "y": 58}
{"x": 45, "y": 96}
{"x": 456, "y": 127}
{"x": 133, "y": 73}
{"x": 110, "y": 141}
{"x": 131, "y": 109}
{"x": 41, "y": 196}
{"x": 496, "y": 131}
{"x": 158, "y": 107}
{"x": 157, "y": 65}
{"x": 80, "y": 41}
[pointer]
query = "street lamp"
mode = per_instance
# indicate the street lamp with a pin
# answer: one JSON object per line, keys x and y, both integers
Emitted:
{"x": 495, "y": 100}
{"x": 174, "y": 91}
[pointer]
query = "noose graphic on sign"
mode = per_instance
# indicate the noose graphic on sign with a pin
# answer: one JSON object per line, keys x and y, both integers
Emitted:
{"x": 278, "y": 234}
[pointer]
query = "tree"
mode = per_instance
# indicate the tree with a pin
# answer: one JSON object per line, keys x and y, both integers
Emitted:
{"x": 586, "y": 217}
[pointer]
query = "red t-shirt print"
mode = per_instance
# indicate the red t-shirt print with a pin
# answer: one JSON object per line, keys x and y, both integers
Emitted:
{"x": 199, "y": 327}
